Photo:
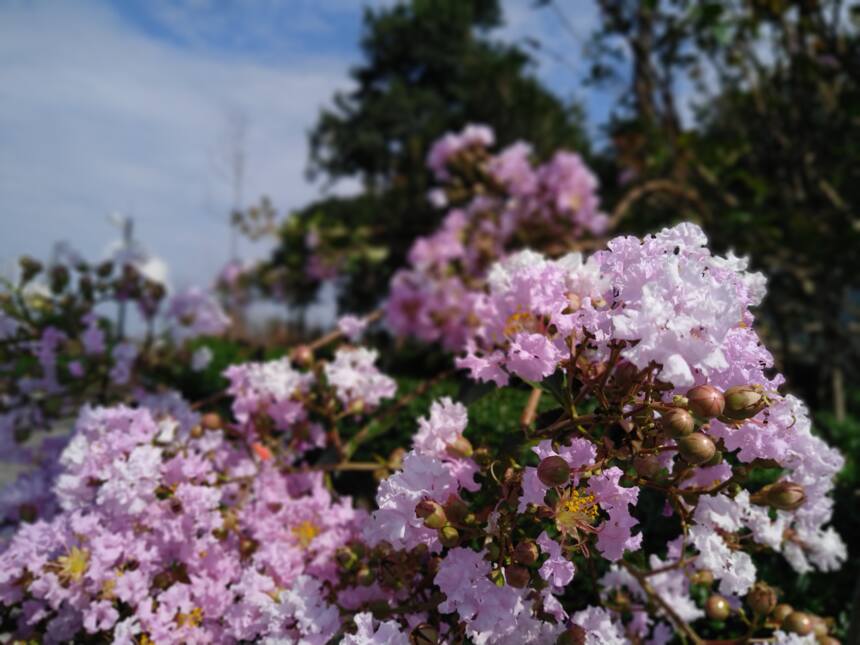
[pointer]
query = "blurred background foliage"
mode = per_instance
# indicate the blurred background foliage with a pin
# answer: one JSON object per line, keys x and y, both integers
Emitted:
{"x": 742, "y": 115}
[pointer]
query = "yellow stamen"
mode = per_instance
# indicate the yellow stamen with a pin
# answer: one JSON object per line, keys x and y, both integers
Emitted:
{"x": 575, "y": 509}
{"x": 305, "y": 533}
{"x": 519, "y": 321}
{"x": 73, "y": 566}
{"x": 192, "y": 618}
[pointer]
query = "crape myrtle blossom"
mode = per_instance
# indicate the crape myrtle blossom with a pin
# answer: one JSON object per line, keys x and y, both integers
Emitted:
{"x": 508, "y": 203}
{"x": 195, "y": 312}
{"x": 163, "y": 530}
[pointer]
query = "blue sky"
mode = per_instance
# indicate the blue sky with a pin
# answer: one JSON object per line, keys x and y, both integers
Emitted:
{"x": 129, "y": 106}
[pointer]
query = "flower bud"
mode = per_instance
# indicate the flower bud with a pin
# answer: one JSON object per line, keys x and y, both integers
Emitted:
{"x": 702, "y": 577}
{"x": 819, "y": 626}
{"x": 761, "y": 599}
{"x": 449, "y": 536}
{"x": 517, "y": 576}
{"x": 573, "y": 635}
{"x": 553, "y": 471}
{"x": 460, "y": 447}
{"x": 716, "y": 460}
{"x": 696, "y": 448}
{"x": 798, "y": 623}
{"x": 346, "y": 558}
{"x": 677, "y": 423}
{"x": 364, "y": 577}
{"x": 780, "y": 612}
{"x": 526, "y": 552}
{"x": 648, "y": 466}
{"x": 432, "y": 513}
{"x": 302, "y": 356}
{"x": 785, "y": 496}
{"x": 424, "y": 634}
{"x": 211, "y": 421}
{"x": 705, "y": 401}
{"x": 744, "y": 402}
{"x": 717, "y": 607}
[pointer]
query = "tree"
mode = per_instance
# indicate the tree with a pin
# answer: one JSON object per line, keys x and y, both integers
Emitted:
{"x": 430, "y": 67}
{"x": 765, "y": 160}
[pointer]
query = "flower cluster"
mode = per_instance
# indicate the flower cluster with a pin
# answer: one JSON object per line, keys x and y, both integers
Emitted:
{"x": 500, "y": 203}
{"x": 158, "y": 523}
{"x": 173, "y": 534}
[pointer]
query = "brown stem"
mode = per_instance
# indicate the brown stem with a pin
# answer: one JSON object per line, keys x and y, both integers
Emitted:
{"x": 530, "y": 410}
{"x": 679, "y": 622}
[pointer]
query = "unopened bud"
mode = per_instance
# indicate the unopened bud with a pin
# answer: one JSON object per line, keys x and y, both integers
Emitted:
{"x": 211, "y": 421}
{"x": 784, "y": 495}
{"x": 364, "y": 577}
{"x": 29, "y": 268}
{"x": 460, "y": 447}
{"x": 716, "y": 460}
{"x": 449, "y": 536}
{"x": 819, "y": 626}
{"x": 696, "y": 448}
{"x": 424, "y": 634}
{"x": 517, "y": 576}
{"x": 744, "y": 402}
{"x": 432, "y": 513}
{"x": 648, "y": 466}
{"x": 717, "y": 607}
{"x": 303, "y": 356}
{"x": 706, "y": 401}
{"x": 702, "y": 577}
{"x": 573, "y": 635}
{"x": 677, "y": 423}
{"x": 553, "y": 471}
{"x": 761, "y": 599}
{"x": 346, "y": 558}
{"x": 781, "y": 612}
{"x": 526, "y": 552}
{"x": 798, "y": 623}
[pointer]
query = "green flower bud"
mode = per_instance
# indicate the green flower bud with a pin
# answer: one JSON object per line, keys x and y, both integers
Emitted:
{"x": 553, "y": 471}
{"x": 677, "y": 423}
{"x": 573, "y": 635}
{"x": 744, "y": 402}
{"x": 432, "y": 513}
{"x": 761, "y": 599}
{"x": 780, "y": 612}
{"x": 717, "y": 607}
{"x": 364, "y": 577}
{"x": 517, "y": 576}
{"x": 696, "y": 448}
{"x": 346, "y": 558}
{"x": 798, "y": 623}
{"x": 706, "y": 401}
{"x": 702, "y": 577}
{"x": 303, "y": 356}
{"x": 449, "y": 536}
{"x": 526, "y": 552}
{"x": 785, "y": 496}
{"x": 460, "y": 447}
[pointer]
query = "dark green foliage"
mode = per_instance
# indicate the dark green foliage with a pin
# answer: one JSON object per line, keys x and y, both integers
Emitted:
{"x": 430, "y": 67}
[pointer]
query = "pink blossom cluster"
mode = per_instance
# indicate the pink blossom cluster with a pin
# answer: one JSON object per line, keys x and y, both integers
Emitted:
{"x": 504, "y": 202}
{"x": 195, "y": 312}
{"x": 291, "y": 399}
{"x": 163, "y": 533}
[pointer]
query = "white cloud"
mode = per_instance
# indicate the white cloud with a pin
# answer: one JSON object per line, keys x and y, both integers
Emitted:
{"x": 95, "y": 116}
